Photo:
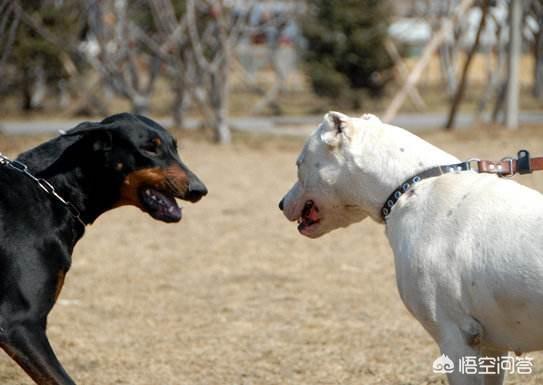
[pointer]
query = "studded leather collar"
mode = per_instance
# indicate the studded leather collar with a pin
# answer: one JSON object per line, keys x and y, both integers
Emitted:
{"x": 429, "y": 173}
{"x": 508, "y": 166}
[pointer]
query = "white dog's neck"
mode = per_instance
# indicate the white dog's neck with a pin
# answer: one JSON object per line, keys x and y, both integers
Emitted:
{"x": 389, "y": 156}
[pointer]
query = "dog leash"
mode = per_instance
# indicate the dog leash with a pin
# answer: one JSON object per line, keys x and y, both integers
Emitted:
{"x": 506, "y": 167}
{"x": 43, "y": 184}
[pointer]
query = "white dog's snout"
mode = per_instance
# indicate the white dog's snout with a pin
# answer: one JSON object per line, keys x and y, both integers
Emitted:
{"x": 289, "y": 203}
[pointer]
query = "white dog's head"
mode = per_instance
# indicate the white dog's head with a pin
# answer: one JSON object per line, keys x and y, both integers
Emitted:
{"x": 330, "y": 191}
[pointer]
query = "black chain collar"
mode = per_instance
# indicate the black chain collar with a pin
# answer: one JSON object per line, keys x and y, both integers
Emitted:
{"x": 43, "y": 184}
{"x": 429, "y": 173}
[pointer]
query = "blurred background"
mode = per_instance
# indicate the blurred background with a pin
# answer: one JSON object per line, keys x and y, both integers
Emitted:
{"x": 233, "y": 295}
{"x": 223, "y": 65}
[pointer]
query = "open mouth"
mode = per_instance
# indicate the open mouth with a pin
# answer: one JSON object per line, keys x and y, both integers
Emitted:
{"x": 309, "y": 217}
{"x": 160, "y": 205}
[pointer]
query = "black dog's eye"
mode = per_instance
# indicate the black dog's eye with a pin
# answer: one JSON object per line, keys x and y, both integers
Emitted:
{"x": 152, "y": 147}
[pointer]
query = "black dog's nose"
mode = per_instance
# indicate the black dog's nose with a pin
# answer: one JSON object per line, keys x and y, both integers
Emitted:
{"x": 281, "y": 204}
{"x": 195, "y": 191}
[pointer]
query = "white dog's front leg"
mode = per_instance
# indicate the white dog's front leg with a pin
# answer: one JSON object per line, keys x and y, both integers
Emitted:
{"x": 455, "y": 345}
{"x": 494, "y": 379}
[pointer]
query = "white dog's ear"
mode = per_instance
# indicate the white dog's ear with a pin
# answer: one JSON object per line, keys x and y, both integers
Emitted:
{"x": 338, "y": 127}
{"x": 370, "y": 117}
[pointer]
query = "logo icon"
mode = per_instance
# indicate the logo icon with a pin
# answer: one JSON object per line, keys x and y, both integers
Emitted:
{"x": 443, "y": 365}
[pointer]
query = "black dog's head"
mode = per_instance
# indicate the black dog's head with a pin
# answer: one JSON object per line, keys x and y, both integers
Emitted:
{"x": 125, "y": 159}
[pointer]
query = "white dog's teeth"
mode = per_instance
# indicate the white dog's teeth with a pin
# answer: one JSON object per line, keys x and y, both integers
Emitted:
{"x": 147, "y": 192}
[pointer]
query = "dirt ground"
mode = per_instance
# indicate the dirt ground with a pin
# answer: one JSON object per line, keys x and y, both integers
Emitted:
{"x": 233, "y": 295}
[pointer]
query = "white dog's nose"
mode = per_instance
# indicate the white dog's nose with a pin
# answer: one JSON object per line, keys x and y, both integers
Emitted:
{"x": 281, "y": 204}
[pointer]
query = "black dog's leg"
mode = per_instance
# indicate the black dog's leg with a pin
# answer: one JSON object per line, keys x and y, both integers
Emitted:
{"x": 24, "y": 306}
{"x": 27, "y": 344}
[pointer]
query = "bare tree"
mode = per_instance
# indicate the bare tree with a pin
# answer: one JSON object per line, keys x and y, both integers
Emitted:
{"x": 196, "y": 48}
{"x": 537, "y": 12}
{"x": 58, "y": 39}
{"x": 172, "y": 44}
{"x": 448, "y": 51}
{"x": 129, "y": 71}
{"x": 214, "y": 30}
{"x": 459, "y": 94}
{"x": 495, "y": 74}
{"x": 10, "y": 16}
{"x": 424, "y": 59}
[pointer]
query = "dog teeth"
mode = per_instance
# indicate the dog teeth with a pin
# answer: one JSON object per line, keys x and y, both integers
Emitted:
{"x": 151, "y": 195}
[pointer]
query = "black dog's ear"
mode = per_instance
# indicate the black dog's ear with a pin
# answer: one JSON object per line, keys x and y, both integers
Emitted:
{"x": 101, "y": 134}
{"x": 83, "y": 128}
{"x": 44, "y": 156}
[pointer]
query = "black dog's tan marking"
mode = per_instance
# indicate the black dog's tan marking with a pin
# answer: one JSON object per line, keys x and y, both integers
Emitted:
{"x": 125, "y": 159}
{"x": 60, "y": 283}
{"x": 173, "y": 178}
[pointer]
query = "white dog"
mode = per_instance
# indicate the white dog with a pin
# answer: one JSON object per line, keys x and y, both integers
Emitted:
{"x": 468, "y": 247}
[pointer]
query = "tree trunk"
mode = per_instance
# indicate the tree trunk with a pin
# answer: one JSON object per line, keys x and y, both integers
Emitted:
{"x": 140, "y": 104}
{"x": 26, "y": 90}
{"x": 538, "y": 56}
{"x": 178, "y": 112}
{"x": 515, "y": 50}
{"x": 220, "y": 98}
{"x": 462, "y": 85}
{"x": 494, "y": 84}
{"x": 63, "y": 94}
{"x": 222, "y": 130}
{"x": 40, "y": 87}
{"x": 220, "y": 109}
{"x": 447, "y": 67}
{"x": 180, "y": 101}
{"x": 500, "y": 98}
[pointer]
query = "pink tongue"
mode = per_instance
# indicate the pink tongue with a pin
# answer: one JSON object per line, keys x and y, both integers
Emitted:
{"x": 313, "y": 214}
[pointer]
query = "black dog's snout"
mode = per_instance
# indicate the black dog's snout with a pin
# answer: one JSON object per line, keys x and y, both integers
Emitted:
{"x": 281, "y": 203}
{"x": 195, "y": 191}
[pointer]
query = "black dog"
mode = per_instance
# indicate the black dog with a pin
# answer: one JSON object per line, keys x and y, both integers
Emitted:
{"x": 123, "y": 160}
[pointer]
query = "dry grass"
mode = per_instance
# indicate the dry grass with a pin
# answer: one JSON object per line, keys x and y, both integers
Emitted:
{"x": 234, "y": 296}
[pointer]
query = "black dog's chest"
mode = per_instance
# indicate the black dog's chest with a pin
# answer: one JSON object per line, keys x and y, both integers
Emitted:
{"x": 34, "y": 228}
